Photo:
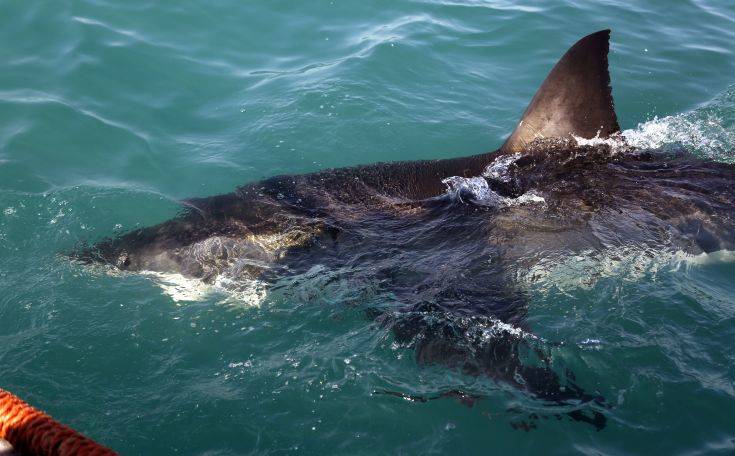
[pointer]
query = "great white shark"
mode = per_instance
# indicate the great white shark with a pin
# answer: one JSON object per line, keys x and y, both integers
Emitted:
{"x": 447, "y": 237}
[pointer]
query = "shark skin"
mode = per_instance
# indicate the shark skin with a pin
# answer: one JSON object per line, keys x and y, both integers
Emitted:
{"x": 448, "y": 238}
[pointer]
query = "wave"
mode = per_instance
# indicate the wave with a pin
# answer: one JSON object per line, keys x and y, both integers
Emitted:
{"x": 707, "y": 131}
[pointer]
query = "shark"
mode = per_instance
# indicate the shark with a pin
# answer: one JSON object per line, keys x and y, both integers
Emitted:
{"x": 448, "y": 238}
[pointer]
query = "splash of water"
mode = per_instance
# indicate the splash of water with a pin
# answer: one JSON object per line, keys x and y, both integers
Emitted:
{"x": 707, "y": 131}
{"x": 476, "y": 187}
{"x": 248, "y": 293}
{"x": 478, "y": 190}
{"x": 616, "y": 143}
{"x": 498, "y": 169}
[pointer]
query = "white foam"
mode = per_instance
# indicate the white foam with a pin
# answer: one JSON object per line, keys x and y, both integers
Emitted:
{"x": 498, "y": 169}
{"x": 250, "y": 292}
{"x": 497, "y": 327}
{"x": 180, "y": 288}
{"x": 489, "y": 328}
{"x": 615, "y": 142}
{"x": 530, "y": 197}
{"x": 708, "y": 130}
{"x": 703, "y": 132}
{"x": 703, "y": 259}
{"x": 481, "y": 193}
{"x": 475, "y": 186}
{"x": 585, "y": 269}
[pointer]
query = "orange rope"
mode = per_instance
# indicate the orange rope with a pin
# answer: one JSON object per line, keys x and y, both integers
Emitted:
{"x": 32, "y": 432}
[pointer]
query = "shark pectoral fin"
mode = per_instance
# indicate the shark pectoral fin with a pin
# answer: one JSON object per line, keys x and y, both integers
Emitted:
{"x": 574, "y": 100}
{"x": 480, "y": 345}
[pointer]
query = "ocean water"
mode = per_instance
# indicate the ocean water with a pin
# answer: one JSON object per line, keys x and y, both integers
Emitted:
{"x": 112, "y": 112}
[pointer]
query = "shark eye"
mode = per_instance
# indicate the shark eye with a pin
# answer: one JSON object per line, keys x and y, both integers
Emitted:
{"x": 123, "y": 260}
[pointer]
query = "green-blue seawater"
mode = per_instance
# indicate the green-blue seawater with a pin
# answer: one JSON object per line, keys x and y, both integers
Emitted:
{"x": 113, "y": 112}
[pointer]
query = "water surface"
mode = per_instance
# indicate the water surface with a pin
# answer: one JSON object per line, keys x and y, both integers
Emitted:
{"x": 110, "y": 113}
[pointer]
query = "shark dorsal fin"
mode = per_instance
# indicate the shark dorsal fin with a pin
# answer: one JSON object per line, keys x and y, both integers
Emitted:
{"x": 574, "y": 99}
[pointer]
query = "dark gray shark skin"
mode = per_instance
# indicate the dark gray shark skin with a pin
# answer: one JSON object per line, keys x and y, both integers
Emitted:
{"x": 451, "y": 258}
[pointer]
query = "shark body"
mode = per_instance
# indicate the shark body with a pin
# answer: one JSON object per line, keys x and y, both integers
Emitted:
{"x": 448, "y": 237}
